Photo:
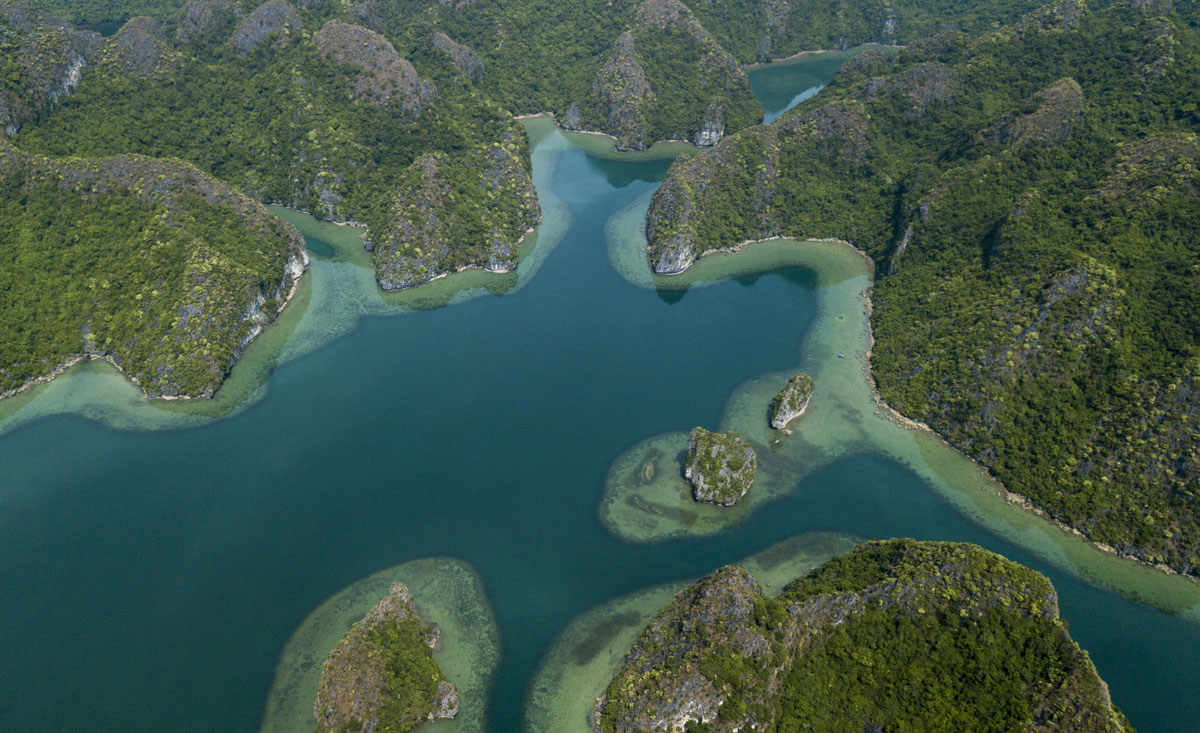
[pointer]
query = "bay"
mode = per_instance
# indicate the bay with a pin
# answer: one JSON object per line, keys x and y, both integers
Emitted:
{"x": 152, "y": 578}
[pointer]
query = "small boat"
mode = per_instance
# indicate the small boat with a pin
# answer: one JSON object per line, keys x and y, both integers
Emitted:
{"x": 841, "y": 356}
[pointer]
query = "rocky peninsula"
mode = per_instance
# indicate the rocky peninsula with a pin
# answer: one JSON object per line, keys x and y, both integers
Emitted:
{"x": 720, "y": 466}
{"x": 896, "y": 634}
{"x": 382, "y": 675}
{"x": 792, "y": 401}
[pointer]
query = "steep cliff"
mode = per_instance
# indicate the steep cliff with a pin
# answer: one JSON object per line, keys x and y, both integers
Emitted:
{"x": 896, "y": 635}
{"x": 792, "y": 401}
{"x": 43, "y": 61}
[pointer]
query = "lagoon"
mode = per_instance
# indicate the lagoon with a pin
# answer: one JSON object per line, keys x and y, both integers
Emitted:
{"x": 154, "y": 577}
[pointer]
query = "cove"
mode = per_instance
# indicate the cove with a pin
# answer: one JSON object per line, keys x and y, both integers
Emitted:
{"x": 154, "y": 578}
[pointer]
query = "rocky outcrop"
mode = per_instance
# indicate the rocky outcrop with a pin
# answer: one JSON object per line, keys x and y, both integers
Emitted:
{"x": 728, "y": 657}
{"x": 920, "y": 86}
{"x": 202, "y": 17}
{"x": 44, "y": 60}
{"x": 439, "y": 215}
{"x": 275, "y": 21}
{"x": 631, "y": 95}
{"x": 792, "y": 401}
{"x": 464, "y": 59}
{"x": 389, "y": 647}
{"x": 381, "y": 77}
{"x": 1059, "y": 109}
{"x": 622, "y": 89}
{"x": 140, "y": 49}
{"x": 720, "y": 466}
{"x": 365, "y": 12}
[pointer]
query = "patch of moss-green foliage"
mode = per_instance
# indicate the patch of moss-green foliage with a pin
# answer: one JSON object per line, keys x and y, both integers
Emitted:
{"x": 1029, "y": 198}
{"x": 412, "y": 676}
{"x": 149, "y": 263}
{"x": 897, "y": 635}
{"x": 382, "y": 675}
{"x": 720, "y": 466}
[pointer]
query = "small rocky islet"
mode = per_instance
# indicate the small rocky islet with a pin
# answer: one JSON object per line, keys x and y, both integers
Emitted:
{"x": 895, "y": 635}
{"x": 382, "y": 674}
{"x": 719, "y": 466}
{"x": 791, "y": 402}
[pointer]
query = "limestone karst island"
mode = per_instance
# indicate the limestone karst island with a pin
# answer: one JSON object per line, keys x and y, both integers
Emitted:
{"x": 600, "y": 365}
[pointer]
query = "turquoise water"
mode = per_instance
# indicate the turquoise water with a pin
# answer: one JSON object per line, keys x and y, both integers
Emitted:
{"x": 784, "y": 84}
{"x": 152, "y": 579}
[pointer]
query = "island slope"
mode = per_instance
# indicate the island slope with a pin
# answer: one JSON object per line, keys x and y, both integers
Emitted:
{"x": 896, "y": 634}
{"x": 1028, "y": 196}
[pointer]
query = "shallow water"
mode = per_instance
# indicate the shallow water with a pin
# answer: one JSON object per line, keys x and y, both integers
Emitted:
{"x": 152, "y": 579}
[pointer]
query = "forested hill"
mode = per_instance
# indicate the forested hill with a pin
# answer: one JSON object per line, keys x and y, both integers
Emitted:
{"x": 1030, "y": 197}
{"x": 311, "y": 110}
{"x": 642, "y": 70}
{"x": 150, "y": 263}
{"x": 896, "y": 635}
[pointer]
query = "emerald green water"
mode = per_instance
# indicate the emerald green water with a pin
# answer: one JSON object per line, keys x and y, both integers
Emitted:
{"x": 153, "y": 579}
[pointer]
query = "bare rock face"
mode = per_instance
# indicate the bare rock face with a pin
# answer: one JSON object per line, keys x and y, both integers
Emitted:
{"x": 366, "y": 12}
{"x": 720, "y": 466}
{"x": 922, "y": 86}
{"x": 382, "y": 78}
{"x": 792, "y": 402}
{"x": 140, "y": 49}
{"x": 274, "y": 20}
{"x": 355, "y": 692}
{"x": 201, "y": 17}
{"x": 49, "y": 56}
{"x": 1059, "y": 109}
{"x": 463, "y": 58}
{"x": 622, "y": 88}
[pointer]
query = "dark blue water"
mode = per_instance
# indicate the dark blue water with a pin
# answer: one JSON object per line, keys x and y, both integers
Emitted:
{"x": 150, "y": 580}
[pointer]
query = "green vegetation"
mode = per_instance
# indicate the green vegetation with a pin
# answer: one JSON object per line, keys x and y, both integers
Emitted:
{"x": 162, "y": 269}
{"x": 897, "y": 635}
{"x": 792, "y": 400}
{"x": 642, "y": 71}
{"x": 327, "y": 121}
{"x": 382, "y": 675}
{"x": 1029, "y": 197}
{"x": 763, "y": 30}
{"x": 105, "y": 12}
{"x": 720, "y": 466}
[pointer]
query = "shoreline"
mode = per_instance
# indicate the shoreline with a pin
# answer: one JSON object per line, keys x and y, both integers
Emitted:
{"x": 800, "y": 54}
{"x": 610, "y": 136}
{"x": 77, "y": 359}
{"x": 466, "y": 268}
{"x": 902, "y": 420}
